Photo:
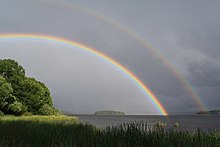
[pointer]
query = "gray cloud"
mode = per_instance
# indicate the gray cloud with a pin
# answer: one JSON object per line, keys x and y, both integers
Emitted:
{"x": 205, "y": 74}
{"x": 186, "y": 33}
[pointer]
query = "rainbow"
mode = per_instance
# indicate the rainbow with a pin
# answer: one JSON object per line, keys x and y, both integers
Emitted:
{"x": 133, "y": 77}
{"x": 174, "y": 70}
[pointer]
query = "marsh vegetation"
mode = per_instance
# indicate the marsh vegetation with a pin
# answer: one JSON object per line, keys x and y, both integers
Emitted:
{"x": 66, "y": 131}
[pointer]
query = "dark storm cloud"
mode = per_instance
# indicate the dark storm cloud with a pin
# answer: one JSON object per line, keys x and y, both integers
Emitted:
{"x": 205, "y": 74}
{"x": 186, "y": 33}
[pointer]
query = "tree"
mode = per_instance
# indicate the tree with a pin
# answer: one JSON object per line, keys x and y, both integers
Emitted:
{"x": 46, "y": 110}
{"x": 47, "y": 97}
{"x": 34, "y": 95}
{"x": 16, "y": 108}
{"x": 8, "y": 102}
{"x": 13, "y": 74}
{"x": 19, "y": 94}
{"x": 5, "y": 92}
{"x": 10, "y": 68}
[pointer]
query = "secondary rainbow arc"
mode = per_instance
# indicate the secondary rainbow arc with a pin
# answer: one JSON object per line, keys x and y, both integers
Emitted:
{"x": 99, "y": 54}
{"x": 116, "y": 24}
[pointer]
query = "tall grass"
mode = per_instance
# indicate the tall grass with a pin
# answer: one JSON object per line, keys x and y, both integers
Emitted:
{"x": 41, "y": 118}
{"x": 24, "y": 132}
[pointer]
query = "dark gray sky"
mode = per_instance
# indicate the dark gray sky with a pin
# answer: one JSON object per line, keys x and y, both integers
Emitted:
{"x": 187, "y": 33}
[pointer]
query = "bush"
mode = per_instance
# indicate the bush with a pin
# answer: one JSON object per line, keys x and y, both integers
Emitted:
{"x": 56, "y": 112}
{"x": 27, "y": 114}
{"x": 46, "y": 110}
{"x": 15, "y": 107}
{"x": 1, "y": 113}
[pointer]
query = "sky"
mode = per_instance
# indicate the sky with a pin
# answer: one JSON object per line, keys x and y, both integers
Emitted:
{"x": 185, "y": 33}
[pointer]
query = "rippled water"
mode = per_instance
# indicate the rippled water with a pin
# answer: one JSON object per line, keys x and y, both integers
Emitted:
{"x": 189, "y": 122}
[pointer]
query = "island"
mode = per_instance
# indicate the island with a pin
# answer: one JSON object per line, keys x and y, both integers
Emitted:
{"x": 215, "y": 112}
{"x": 109, "y": 112}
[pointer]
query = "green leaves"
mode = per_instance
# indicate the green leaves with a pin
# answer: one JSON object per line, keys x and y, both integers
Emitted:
{"x": 9, "y": 68}
{"x": 5, "y": 92}
{"x": 19, "y": 94}
{"x": 46, "y": 110}
{"x": 15, "y": 107}
{"x": 34, "y": 95}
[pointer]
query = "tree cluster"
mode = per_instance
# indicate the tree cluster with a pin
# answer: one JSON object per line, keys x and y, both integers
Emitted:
{"x": 20, "y": 94}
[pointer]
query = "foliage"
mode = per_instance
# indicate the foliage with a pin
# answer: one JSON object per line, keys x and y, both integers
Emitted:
{"x": 34, "y": 95}
{"x": 15, "y": 107}
{"x": 56, "y": 112}
{"x": 2, "y": 113}
{"x": 40, "y": 118}
{"x": 8, "y": 102}
{"x": 5, "y": 92}
{"x": 20, "y": 94}
{"x": 27, "y": 114}
{"x": 45, "y": 110}
{"x": 10, "y": 68}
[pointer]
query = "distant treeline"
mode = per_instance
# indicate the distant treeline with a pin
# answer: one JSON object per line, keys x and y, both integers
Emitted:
{"x": 109, "y": 112}
{"x": 209, "y": 112}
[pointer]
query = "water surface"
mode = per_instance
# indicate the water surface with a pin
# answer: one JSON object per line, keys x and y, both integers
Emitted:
{"x": 189, "y": 122}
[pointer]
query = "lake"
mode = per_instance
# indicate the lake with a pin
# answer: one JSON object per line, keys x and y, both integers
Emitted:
{"x": 189, "y": 122}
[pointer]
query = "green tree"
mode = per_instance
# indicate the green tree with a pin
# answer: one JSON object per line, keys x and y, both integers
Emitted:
{"x": 5, "y": 92}
{"x": 8, "y": 102}
{"x": 46, "y": 110}
{"x": 47, "y": 99}
{"x": 10, "y": 68}
{"x": 19, "y": 94}
{"x": 34, "y": 95}
{"x": 15, "y": 108}
{"x": 13, "y": 74}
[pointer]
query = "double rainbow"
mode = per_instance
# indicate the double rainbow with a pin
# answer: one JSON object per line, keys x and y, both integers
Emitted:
{"x": 126, "y": 72}
{"x": 142, "y": 41}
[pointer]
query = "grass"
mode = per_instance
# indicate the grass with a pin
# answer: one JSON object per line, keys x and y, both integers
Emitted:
{"x": 40, "y": 118}
{"x": 64, "y": 131}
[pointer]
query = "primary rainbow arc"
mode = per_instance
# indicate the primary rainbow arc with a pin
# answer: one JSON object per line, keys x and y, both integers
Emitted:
{"x": 106, "y": 58}
{"x": 142, "y": 41}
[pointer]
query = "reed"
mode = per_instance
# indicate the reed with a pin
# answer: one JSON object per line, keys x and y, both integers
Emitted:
{"x": 68, "y": 132}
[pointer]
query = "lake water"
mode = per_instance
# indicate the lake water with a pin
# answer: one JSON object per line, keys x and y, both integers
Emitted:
{"x": 189, "y": 122}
